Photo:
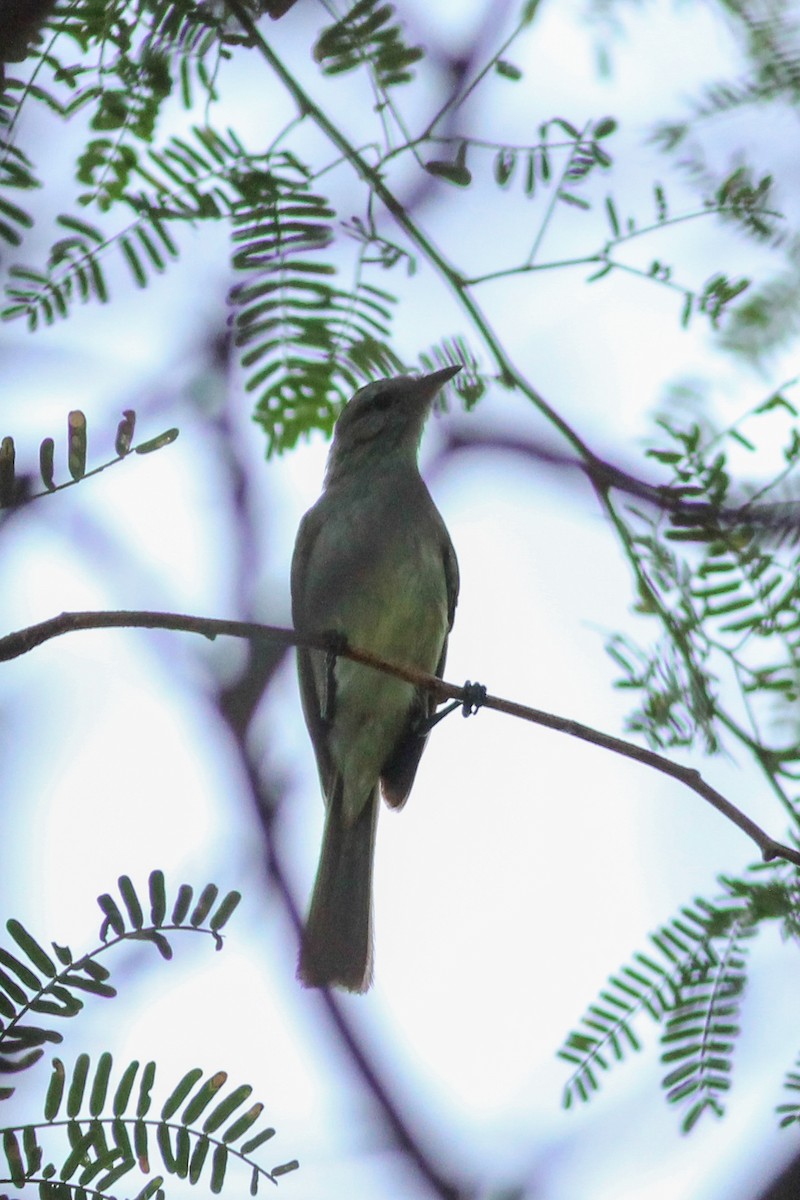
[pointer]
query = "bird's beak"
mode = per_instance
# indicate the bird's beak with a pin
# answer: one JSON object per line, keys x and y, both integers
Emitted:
{"x": 425, "y": 387}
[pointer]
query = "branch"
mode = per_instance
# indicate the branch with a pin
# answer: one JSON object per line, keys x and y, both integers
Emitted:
{"x": 13, "y": 645}
{"x": 509, "y": 375}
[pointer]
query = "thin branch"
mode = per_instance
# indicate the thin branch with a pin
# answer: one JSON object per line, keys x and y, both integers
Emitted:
{"x": 13, "y": 645}
{"x": 156, "y": 443}
{"x": 509, "y": 375}
{"x": 460, "y": 95}
{"x": 555, "y": 194}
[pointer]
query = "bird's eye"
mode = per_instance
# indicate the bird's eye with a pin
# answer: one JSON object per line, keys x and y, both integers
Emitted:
{"x": 381, "y": 401}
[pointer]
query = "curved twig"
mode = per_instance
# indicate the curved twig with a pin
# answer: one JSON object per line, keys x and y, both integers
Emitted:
{"x": 13, "y": 645}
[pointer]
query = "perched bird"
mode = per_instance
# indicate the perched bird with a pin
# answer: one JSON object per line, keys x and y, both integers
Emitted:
{"x": 373, "y": 562}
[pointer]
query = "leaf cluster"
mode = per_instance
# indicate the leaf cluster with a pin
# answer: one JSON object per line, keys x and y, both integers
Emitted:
{"x": 690, "y": 983}
{"x": 36, "y": 982}
{"x": 111, "y": 1129}
{"x": 368, "y": 35}
{"x": 726, "y": 589}
{"x": 564, "y": 161}
{"x": 16, "y": 489}
{"x": 113, "y": 1133}
{"x": 765, "y": 87}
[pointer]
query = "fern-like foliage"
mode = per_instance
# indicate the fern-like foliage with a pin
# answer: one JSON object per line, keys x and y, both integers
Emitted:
{"x": 113, "y": 1133}
{"x": 680, "y": 953}
{"x": 728, "y": 593}
{"x": 207, "y": 177}
{"x": 16, "y": 174}
{"x": 308, "y": 344}
{"x": 700, "y": 1031}
{"x": 689, "y": 982}
{"x": 95, "y": 1132}
{"x": 537, "y": 166}
{"x": 16, "y": 489}
{"x": 368, "y": 34}
{"x": 769, "y": 82}
{"x": 37, "y": 983}
{"x": 789, "y": 1112}
{"x": 470, "y": 383}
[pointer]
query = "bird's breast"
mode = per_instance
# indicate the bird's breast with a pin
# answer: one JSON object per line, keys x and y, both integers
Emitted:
{"x": 379, "y": 576}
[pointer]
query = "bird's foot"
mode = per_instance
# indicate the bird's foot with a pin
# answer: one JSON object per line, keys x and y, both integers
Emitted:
{"x": 473, "y": 697}
{"x": 337, "y": 643}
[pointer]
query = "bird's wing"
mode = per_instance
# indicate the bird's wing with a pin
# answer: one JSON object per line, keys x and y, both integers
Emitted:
{"x": 316, "y": 703}
{"x": 452, "y": 583}
{"x": 398, "y": 772}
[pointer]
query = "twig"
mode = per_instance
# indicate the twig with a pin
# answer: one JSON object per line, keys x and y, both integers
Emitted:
{"x": 13, "y": 645}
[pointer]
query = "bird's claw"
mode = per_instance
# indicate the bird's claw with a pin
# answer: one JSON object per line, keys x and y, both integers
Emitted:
{"x": 474, "y": 696}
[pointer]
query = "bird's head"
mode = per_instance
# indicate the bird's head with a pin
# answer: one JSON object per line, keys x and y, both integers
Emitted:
{"x": 385, "y": 418}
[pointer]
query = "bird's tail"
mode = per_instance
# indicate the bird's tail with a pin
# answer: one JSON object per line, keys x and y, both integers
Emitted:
{"x": 337, "y": 941}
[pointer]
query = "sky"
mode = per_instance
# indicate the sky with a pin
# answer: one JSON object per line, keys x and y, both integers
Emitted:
{"x": 526, "y": 867}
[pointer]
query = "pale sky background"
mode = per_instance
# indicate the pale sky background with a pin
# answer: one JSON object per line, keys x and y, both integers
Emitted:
{"x": 526, "y": 867}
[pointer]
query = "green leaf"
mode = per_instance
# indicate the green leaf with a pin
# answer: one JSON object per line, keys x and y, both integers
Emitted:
{"x": 13, "y": 1153}
{"x": 55, "y": 1090}
{"x": 22, "y": 972}
{"x": 157, "y": 443}
{"x": 507, "y": 70}
{"x": 219, "y": 1164}
{"x": 226, "y": 1107}
{"x": 241, "y": 1125}
{"x": 131, "y": 901}
{"x": 224, "y": 910}
{"x": 365, "y": 36}
{"x": 575, "y": 201}
{"x": 7, "y": 472}
{"x": 145, "y": 1088}
{"x": 504, "y": 163}
{"x": 113, "y": 917}
{"x": 33, "y": 1151}
{"x": 284, "y": 1168}
{"x": 125, "y": 430}
{"x": 605, "y": 128}
{"x": 180, "y": 1092}
{"x": 16, "y": 216}
{"x": 613, "y": 219}
{"x": 451, "y": 172}
{"x": 124, "y": 1089}
{"x": 248, "y": 1147}
{"x": 46, "y": 451}
{"x": 158, "y": 898}
{"x": 152, "y": 1189}
{"x": 197, "y": 1161}
{"x": 76, "y": 444}
{"x": 78, "y": 1086}
{"x": 203, "y": 1097}
{"x": 204, "y": 905}
{"x": 182, "y": 904}
{"x": 97, "y": 1096}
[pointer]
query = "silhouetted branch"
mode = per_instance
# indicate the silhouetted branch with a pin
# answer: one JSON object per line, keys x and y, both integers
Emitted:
{"x": 779, "y": 520}
{"x": 15, "y": 644}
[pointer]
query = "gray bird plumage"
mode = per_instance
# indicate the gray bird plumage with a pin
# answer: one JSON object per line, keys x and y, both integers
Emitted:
{"x": 374, "y": 562}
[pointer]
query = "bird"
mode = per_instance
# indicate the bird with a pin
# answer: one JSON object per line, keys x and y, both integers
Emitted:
{"x": 374, "y": 564}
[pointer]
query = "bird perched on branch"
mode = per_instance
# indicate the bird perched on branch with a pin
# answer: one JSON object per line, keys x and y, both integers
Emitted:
{"x": 374, "y": 563}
